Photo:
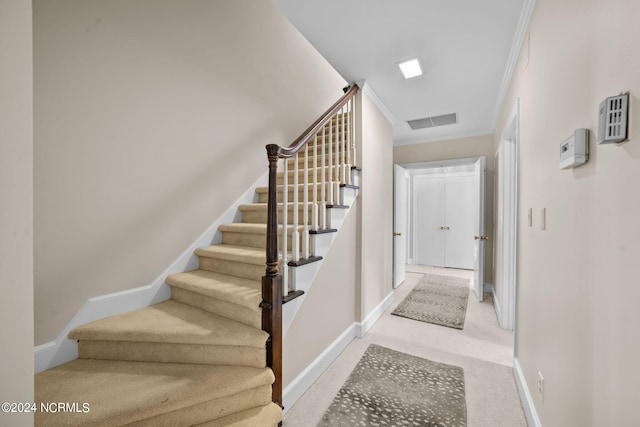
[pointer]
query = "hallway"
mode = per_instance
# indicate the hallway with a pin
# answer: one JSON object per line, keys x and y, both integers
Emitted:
{"x": 482, "y": 348}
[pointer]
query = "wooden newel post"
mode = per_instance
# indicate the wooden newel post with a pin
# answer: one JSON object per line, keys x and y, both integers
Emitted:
{"x": 272, "y": 281}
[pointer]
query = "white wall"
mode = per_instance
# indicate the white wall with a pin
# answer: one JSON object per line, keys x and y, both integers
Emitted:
{"x": 151, "y": 118}
{"x": 330, "y": 306}
{"x": 578, "y": 321}
{"x": 16, "y": 208}
{"x": 376, "y": 205}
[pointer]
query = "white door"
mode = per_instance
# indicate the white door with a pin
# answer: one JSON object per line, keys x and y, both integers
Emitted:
{"x": 460, "y": 221}
{"x": 479, "y": 236}
{"x": 400, "y": 221}
{"x": 429, "y": 220}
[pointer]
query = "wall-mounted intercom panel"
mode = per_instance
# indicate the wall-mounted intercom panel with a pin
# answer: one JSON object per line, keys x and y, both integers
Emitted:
{"x": 574, "y": 151}
{"x": 613, "y": 119}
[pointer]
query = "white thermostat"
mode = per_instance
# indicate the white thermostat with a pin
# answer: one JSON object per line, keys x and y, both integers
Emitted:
{"x": 574, "y": 151}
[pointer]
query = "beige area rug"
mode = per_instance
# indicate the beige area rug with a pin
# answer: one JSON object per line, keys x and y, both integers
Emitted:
{"x": 389, "y": 388}
{"x": 441, "y": 300}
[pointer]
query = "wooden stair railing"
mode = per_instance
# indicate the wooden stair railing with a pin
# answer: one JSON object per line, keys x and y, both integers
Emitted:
{"x": 335, "y": 132}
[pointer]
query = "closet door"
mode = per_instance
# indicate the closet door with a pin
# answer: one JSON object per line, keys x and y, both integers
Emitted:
{"x": 429, "y": 219}
{"x": 459, "y": 200}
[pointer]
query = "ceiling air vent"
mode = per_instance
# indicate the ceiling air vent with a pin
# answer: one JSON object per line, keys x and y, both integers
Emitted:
{"x": 429, "y": 122}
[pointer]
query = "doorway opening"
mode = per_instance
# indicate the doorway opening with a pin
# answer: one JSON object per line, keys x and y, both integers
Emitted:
{"x": 444, "y": 216}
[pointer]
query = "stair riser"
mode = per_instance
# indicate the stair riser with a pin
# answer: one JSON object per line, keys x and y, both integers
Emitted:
{"x": 211, "y": 410}
{"x": 262, "y": 416}
{"x": 249, "y": 239}
{"x": 264, "y": 197}
{"x": 260, "y": 217}
{"x": 233, "y": 268}
{"x": 226, "y": 309}
{"x": 244, "y": 239}
{"x": 172, "y": 353}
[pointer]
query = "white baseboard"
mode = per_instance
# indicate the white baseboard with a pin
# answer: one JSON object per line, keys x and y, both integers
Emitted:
{"x": 525, "y": 396}
{"x": 63, "y": 350}
{"x": 306, "y": 378}
{"x": 375, "y": 314}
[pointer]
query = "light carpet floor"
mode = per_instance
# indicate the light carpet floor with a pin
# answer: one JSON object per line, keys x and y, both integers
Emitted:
{"x": 482, "y": 349}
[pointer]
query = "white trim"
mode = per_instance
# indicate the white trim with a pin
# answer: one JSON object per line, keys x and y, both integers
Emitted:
{"x": 64, "y": 350}
{"x": 514, "y": 54}
{"x": 306, "y": 378}
{"x": 447, "y": 137}
{"x": 412, "y": 167}
{"x": 311, "y": 373}
{"x": 367, "y": 90}
{"x": 508, "y": 192}
{"x": 376, "y": 313}
{"x": 496, "y": 303}
{"x": 529, "y": 407}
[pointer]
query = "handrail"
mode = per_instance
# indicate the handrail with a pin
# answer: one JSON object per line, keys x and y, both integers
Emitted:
{"x": 275, "y": 285}
{"x": 305, "y": 137}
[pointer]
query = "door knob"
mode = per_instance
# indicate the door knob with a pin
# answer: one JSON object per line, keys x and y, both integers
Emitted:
{"x": 397, "y": 234}
{"x": 447, "y": 228}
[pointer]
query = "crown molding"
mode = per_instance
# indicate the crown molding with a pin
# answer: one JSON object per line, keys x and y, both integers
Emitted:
{"x": 514, "y": 54}
{"x": 415, "y": 141}
{"x": 367, "y": 90}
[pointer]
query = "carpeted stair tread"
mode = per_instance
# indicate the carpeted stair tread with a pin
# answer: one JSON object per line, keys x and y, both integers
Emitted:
{"x": 120, "y": 393}
{"x": 263, "y": 416}
{"x": 242, "y": 254}
{"x": 171, "y": 322}
{"x": 236, "y": 290}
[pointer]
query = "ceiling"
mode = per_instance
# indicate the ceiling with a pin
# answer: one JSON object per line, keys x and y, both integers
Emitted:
{"x": 465, "y": 47}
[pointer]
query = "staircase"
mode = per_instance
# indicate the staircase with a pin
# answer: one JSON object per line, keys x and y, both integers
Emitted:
{"x": 211, "y": 355}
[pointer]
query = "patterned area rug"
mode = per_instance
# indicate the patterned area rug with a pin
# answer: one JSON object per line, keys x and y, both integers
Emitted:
{"x": 389, "y": 388}
{"x": 441, "y": 300}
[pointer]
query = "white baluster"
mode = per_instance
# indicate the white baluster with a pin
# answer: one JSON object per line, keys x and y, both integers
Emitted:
{"x": 285, "y": 213}
{"x": 330, "y": 182}
{"x": 323, "y": 188}
{"x": 349, "y": 140}
{"x": 353, "y": 132}
{"x": 305, "y": 206}
{"x": 336, "y": 183}
{"x": 295, "y": 235}
{"x": 314, "y": 207}
{"x": 343, "y": 146}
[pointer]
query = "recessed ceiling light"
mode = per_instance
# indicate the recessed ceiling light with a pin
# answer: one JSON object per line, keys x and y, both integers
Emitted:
{"x": 410, "y": 68}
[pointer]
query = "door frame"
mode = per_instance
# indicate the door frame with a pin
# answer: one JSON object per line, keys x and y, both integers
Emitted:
{"x": 407, "y": 184}
{"x": 507, "y": 224}
{"x": 429, "y": 165}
